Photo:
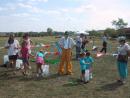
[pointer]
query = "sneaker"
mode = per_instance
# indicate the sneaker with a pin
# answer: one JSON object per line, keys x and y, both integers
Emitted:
{"x": 69, "y": 73}
{"x": 119, "y": 81}
{"x": 85, "y": 82}
{"x": 59, "y": 73}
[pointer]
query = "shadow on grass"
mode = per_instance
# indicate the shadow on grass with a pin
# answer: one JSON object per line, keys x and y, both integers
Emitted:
{"x": 111, "y": 86}
{"x": 73, "y": 82}
{"x": 34, "y": 78}
{"x": 6, "y": 76}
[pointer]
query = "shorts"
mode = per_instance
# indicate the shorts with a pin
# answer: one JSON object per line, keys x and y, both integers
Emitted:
{"x": 40, "y": 60}
{"x": 25, "y": 60}
{"x": 83, "y": 71}
{"x": 13, "y": 57}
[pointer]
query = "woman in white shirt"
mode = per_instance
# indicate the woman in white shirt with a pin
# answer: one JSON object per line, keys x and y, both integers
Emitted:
{"x": 12, "y": 45}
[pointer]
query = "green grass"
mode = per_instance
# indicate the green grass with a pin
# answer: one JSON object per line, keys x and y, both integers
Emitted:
{"x": 102, "y": 86}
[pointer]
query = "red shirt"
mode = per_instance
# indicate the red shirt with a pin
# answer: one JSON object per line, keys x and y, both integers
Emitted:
{"x": 24, "y": 52}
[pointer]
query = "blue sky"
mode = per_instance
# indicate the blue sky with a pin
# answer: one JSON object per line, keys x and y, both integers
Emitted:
{"x": 61, "y": 15}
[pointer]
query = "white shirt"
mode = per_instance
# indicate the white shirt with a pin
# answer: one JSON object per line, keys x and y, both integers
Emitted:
{"x": 104, "y": 39}
{"x": 66, "y": 43}
{"x": 12, "y": 50}
{"x": 122, "y": 50}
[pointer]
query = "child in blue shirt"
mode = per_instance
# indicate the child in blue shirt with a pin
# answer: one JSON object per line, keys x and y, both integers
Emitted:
{"x": 82, "y": 66}
{"x": 89, "y": 60}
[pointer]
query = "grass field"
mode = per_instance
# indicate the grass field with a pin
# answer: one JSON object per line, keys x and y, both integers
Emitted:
{"x": 103, "y": 84}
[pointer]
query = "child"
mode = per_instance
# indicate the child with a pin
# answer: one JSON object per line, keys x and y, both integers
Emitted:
{"x": 89, "y": 60}
{"x": 83, "y": 67}
{"x": 29, "y": 42}
{"x": 25, "y": 57}
{"x": 39, "y": 61}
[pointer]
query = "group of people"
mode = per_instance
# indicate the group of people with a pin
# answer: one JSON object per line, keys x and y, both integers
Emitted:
{"x": 67, "y": 44}
{"x": 81, "y": 42}
{"x": 86, "y": 60}
{"x": 15, "y": 51}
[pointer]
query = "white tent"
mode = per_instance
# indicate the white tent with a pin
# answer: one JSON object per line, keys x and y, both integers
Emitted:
{"x": 82, "y": 32}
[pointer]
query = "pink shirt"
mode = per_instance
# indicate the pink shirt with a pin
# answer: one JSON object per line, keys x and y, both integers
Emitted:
{"x": 24, "y": 52}
{"x": 28, "y": 43}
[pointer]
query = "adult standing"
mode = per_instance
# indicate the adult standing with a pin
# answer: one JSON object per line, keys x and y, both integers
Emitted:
{"x": 78, "y": 46}
{"x": 67, "y": 44}
{"x": 122, "y": 59}
{"x": 12, "y": 45}
{"x": 84, "y": 42}
{"x": 104, "y": 45}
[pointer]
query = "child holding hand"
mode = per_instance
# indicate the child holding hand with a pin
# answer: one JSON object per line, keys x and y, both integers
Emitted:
{"x": 40, "y": 62}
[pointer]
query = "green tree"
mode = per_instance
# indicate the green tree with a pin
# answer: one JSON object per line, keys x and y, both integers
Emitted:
{"x": 111, "y": 32}
{"x": 49, "y": 31}
{"x": 94, "y": 33}
{"x": 20, "y": 34}
{"x": 120, "y": 25}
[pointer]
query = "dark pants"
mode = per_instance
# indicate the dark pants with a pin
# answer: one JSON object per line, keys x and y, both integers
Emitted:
{"x": 104, "y": 47}
{"x": 78, "y": 50}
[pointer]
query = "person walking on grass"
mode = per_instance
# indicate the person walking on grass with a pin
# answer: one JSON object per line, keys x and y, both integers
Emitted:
{"x": 66, "y": 43}
{"x": 122, "y": 59}
{"x": 104, "y": 44}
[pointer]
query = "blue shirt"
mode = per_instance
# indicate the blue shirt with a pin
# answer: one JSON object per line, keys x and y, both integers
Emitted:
{"x": 82, "y": 64}
{"x": 40, "y": 54}
{"x": 88, "y": 60}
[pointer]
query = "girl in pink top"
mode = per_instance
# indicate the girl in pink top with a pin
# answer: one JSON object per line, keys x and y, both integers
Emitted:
{"x": 25, "y": 57}
{"x": 29, "y": 42}
{"x": 40, "y": 61}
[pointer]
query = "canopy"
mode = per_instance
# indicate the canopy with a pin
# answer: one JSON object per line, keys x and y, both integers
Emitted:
{"x": 82, "y": 32}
